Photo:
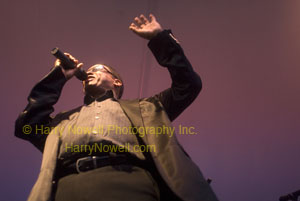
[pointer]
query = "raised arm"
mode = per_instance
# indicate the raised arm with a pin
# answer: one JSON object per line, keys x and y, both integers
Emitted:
{"x": 186, "y": 84}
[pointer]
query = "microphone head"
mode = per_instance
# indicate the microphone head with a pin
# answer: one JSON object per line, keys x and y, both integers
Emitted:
{"x": 54, "y": 50}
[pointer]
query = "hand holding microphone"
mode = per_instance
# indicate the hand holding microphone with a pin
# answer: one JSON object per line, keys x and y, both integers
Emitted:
{"x": 69, "y": 64}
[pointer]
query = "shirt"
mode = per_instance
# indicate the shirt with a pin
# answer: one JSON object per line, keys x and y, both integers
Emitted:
{"x": 100, "y": 126}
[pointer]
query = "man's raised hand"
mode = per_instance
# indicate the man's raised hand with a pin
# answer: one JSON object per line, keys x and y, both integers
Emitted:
{"x": 145, "y": 28}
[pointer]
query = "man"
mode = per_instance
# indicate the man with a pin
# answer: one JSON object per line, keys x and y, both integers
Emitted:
{"x": 72, "y": 170}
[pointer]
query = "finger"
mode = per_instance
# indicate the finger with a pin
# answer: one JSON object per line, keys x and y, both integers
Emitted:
{"x": 68, "y": 55}
{"x": 144, "y": 19}
{"x": 57, "y": 62}
{"x": 79, "y": 65}
{"x": 135, "y": 30}
{"x": 74, "y": 60}
{"x": 152, "y": 18}
{"x": 133, "y": 27}
{"x": 71, "y": 57}
{"x": 138, "y": 21}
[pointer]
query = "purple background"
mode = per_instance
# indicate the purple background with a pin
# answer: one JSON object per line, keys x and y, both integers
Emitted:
{"x": 246, "y": 52}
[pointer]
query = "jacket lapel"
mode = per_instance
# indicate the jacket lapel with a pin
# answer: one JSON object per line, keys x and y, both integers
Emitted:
{"x": 132, "y": 110}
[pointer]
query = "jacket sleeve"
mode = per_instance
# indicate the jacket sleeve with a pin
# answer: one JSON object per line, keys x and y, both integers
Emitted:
{"x": 186, "y": 84}
{"x": 33, "y": 124}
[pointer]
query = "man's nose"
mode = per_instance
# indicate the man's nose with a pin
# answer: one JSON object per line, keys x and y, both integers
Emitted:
{"x": 90, "y": 73}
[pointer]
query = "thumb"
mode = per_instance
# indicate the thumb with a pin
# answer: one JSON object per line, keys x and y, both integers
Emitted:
{"x": 79, "y": 66}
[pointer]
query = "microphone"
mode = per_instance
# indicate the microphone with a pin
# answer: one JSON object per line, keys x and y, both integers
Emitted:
{"x": 68, "y": 64}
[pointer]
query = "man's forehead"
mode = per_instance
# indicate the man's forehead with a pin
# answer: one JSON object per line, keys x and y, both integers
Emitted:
{"x": 97, "y": 67}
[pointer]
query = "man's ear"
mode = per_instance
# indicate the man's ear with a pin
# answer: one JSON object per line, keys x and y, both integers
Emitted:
{"x": 117, "y": 83}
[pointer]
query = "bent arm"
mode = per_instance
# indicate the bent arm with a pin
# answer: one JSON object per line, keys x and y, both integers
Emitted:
{"x": 186, "y": 83}
{"x": 40, "y": 105}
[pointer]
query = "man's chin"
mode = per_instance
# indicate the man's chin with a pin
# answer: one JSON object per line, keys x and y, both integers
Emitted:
{"x": 93, "y": 90}
{"x": 90, "y": 82}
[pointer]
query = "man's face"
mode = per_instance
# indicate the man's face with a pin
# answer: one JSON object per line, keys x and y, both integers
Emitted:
{"x": 99, "y": 80}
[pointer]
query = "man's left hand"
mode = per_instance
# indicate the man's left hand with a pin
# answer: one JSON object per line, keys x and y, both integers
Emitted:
{"x": 145, "y": 28}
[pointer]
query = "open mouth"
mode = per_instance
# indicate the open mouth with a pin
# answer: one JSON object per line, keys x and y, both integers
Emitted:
{"x": 90, "y": 78}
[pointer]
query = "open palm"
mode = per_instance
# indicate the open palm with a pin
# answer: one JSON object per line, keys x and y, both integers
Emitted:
{"x": 145, "y": 28}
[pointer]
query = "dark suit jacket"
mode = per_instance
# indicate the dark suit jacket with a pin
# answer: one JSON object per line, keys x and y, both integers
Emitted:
{"x": 181, "y": 176}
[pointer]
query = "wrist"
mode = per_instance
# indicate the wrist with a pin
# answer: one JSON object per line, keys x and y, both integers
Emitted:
{"x": 156, "y": 32}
